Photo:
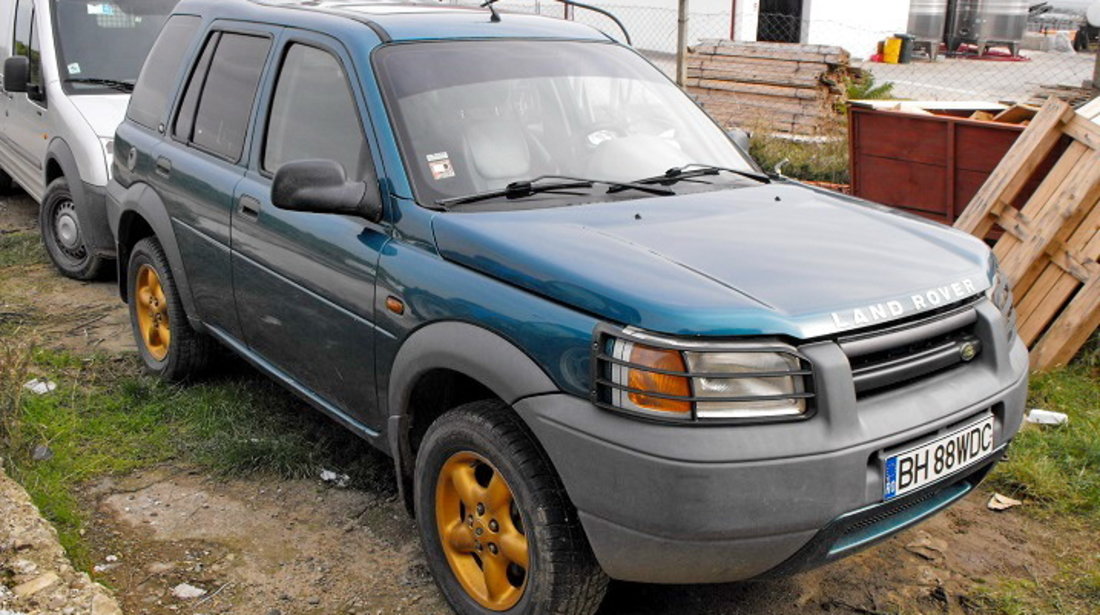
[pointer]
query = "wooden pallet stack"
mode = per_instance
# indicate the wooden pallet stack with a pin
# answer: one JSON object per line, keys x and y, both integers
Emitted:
{"x": 1050, "y": 247}
{"x": 774, "y": 87}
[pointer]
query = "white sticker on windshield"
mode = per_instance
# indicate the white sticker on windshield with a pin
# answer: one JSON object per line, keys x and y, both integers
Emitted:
{"x": 74, "y": 68}
{"x": 440, "y": 166}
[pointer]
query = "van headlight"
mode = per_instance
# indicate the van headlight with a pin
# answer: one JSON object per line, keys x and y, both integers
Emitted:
{"x": 1000, "y": 294}
{"x": 681, "y": 380}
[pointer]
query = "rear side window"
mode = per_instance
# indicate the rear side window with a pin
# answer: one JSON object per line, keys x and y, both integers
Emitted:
{"x": 313, "y": 114}
{"x": 185, "y": 119}
{"x": 150, "y": 98}
{"x": 221, "y": 119}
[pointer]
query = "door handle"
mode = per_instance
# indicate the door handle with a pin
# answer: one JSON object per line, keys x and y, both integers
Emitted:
{"x": 164, "y": 166}
{"x": 250, "y": 206}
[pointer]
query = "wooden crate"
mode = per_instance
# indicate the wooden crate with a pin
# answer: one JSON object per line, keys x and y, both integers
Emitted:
{"x": 1050, "y": 246}
{"x": 930, "y": 165}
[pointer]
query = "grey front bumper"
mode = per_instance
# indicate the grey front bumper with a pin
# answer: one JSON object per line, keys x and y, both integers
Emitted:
{"x": 699, "y": 504}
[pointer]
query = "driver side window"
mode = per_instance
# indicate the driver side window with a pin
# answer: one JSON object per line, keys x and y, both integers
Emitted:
{"x": 314, "y": 115}
{"x": 26, "y": 40}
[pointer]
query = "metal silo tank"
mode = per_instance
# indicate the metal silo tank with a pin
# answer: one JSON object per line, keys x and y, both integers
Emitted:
{"x": 1003, "y": 21}
{"x": 927, "y": 19}
{"x": 964, "y": 22}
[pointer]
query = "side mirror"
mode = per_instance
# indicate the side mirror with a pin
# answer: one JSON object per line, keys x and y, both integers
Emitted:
{"x": 17, "y": 70}
{"x": 320, "y": 186}
{"x": 740, "y": 137}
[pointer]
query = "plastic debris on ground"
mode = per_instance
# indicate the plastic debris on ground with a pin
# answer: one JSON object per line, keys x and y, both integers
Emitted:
{"x": 1002, "y": 502}
{"x": 1046, "y": 417}
{"x": 40, "y": 387}
{"x": 337, "y": 480}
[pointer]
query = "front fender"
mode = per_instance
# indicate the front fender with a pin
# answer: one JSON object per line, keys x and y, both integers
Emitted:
{"x": 90, "y": 207}
{"x": 140, "y": 206}
{"x": 468, "y": 349}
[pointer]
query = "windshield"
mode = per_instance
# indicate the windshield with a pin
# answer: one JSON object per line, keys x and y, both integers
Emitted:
{"x": 475, "y": 116}
{"x": 102, "y": 45}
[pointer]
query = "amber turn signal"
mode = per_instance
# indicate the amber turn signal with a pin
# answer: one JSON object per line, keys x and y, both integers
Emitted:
{"x": 663, "y": 384}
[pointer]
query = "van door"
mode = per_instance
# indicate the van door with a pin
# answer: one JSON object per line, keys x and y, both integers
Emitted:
{"x": 27, "y": 129}
{"x": 304, "y": 283}
{"x": 199, "y": 167}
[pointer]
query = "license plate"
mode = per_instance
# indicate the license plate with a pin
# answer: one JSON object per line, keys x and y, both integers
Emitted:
{"x": 923, "y": 465}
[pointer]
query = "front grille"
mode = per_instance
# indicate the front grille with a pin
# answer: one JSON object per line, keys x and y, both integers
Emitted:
{"x": 886, "y": 359}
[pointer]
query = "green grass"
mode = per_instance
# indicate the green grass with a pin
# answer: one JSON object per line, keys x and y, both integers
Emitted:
{"x": 807, "y": 161}
{"x": 106, "y": 419}
{"x": 1058, "y": 468}
{"x": 21, "y": 248}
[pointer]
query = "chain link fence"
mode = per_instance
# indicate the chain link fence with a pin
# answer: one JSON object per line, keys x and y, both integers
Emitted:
{"x": 1051, "y": 55}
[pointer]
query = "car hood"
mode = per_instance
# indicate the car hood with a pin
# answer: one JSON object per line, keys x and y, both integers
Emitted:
{"x": 778, "y": 259}
{"x": 103, "y": 112}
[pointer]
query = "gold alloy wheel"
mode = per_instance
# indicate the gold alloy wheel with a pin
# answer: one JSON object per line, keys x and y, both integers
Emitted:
{"x": 481, "y": 531}
{"x": 152, "y": 313}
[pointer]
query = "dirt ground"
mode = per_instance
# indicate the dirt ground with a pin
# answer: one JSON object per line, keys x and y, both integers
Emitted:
{"x": 279, "y": 547}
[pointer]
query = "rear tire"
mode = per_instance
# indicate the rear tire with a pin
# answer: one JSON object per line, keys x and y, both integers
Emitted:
{"x": 62, "y": 236}
{"x": 168, "y": 346}
{"x": 476, "y": 566}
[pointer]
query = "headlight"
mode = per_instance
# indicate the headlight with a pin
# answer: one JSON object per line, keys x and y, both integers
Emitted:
{"x": 108, "y": 154}
{"x": 680, "y": 380}
{"x": 1000, "y": 294}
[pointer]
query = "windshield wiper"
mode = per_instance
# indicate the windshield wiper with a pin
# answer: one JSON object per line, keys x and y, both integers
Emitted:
{"x": 122, "y": 86}
{"x": 691, "y": 171}
{"x": 524, "y": 189}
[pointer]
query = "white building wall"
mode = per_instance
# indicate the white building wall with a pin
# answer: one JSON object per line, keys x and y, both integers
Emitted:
{"x": 855, "y": 25}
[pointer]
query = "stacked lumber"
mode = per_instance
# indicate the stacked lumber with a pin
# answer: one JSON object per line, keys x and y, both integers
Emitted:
{"x": 1050, "y": 247}
{"x": 774, "y": 87}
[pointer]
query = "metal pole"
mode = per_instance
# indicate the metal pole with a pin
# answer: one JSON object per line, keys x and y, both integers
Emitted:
{"x": 1096, "y": 72}
{"x": 681, "y": 44}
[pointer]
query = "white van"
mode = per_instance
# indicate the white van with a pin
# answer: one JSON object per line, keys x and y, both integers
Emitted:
{"x": 68, "y": 69}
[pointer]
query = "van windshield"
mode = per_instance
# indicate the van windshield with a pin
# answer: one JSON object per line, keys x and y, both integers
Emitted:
{"x": 102, "y": 45}
{"x": 475, "y": 116}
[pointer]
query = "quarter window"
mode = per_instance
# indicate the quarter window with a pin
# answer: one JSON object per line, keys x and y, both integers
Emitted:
{"x": 221, "y": 119}
{"x": 313, "y": 114}
{"x": 149, "y": 102}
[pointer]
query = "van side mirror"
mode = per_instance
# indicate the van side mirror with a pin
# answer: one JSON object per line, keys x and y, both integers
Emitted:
{"x": 740, "y": 137}
{"x": 17, "y": 71}
{"x": 320, "y": 186}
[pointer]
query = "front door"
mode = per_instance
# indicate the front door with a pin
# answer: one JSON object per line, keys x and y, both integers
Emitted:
{"x": 26, "y": 131}
{"x": 305, "y": 283}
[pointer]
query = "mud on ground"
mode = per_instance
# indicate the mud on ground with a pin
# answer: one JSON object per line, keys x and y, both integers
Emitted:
{"x": 269, "y": 546}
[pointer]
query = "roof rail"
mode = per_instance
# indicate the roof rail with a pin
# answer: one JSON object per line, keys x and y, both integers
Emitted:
{"x": 377, "y": 28}
{"x": 603, "y": 12}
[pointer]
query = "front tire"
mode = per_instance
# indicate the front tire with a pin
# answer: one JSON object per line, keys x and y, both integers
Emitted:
{"x": 498, "y": 529}
{"x": 62, "y": 235}
{"x": 168, "y": 346}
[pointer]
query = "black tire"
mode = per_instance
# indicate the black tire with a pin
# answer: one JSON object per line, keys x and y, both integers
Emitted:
{"x": 6, "y": 183}
{"x": 186, "y": 352}
{"x": 62, "y": 236}
{"x": 563, "y": 577}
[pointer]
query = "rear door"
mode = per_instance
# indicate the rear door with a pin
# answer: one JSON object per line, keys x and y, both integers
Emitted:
{"x": 304, "y": 282}
{"x": 198, "y": 168}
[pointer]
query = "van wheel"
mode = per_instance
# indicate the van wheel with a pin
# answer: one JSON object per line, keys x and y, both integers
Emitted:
{"x": 498, "y": 529}
{"x": 62, "y": 236}
{"x": 169, "y": 347}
